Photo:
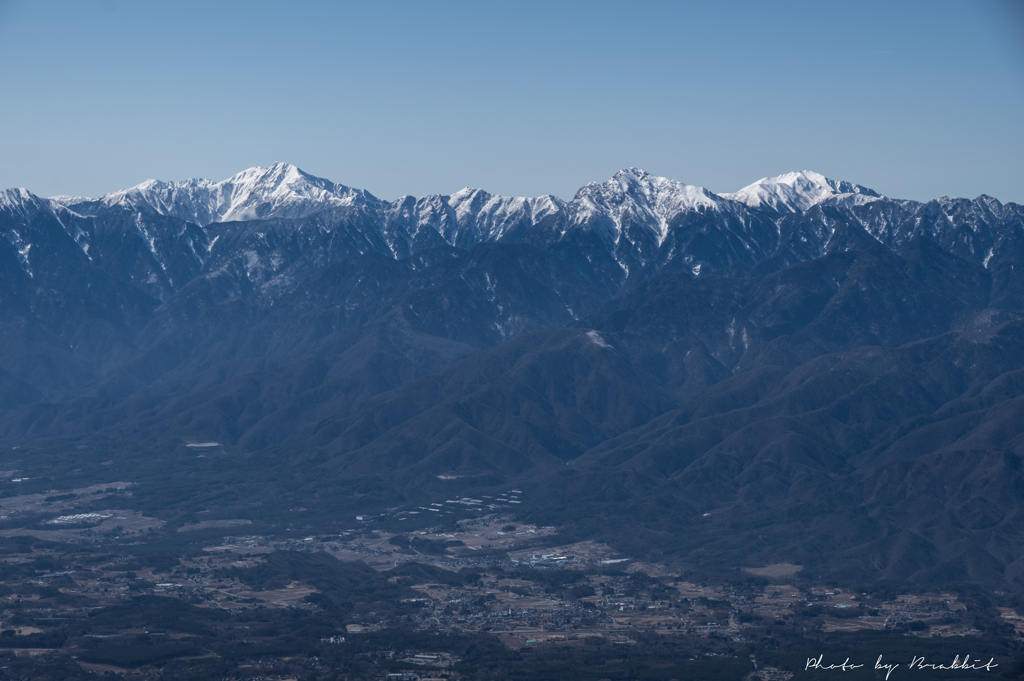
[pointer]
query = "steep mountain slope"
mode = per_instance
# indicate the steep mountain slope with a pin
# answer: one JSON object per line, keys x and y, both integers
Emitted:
{"x": 368, "y": 324}
{"x": 904, "y": 448}
{"x": 678, "y": 336}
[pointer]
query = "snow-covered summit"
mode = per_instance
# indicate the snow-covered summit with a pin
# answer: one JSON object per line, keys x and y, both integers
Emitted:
{"x": 663, "y": 195}
{"x": 795, "y": 192}
{"x": 642, "y": 198}
{"x": 15, "y": 197}
{"x": 22, "y": 202}
{"x": 282, "y": 191}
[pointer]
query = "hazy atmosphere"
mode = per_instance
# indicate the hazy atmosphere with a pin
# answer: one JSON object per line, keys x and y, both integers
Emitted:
{"x": 562, "y": 341}
{"x": 913, "y": 99}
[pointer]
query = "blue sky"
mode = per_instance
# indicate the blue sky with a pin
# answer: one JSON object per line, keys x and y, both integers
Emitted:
{"x": 914, "y": 99}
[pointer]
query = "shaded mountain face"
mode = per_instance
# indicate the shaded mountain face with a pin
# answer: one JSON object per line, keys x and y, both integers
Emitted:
{"x": 745, "y": 377}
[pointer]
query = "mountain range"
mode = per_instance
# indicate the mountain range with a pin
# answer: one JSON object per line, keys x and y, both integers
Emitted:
{"x": 804, "y": 370}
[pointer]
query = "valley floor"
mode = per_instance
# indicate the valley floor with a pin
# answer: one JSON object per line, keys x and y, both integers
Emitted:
{"x": 484, "y": 596}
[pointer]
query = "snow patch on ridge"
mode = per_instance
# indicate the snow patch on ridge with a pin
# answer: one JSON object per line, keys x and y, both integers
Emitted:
{"x": 597, "y": 340}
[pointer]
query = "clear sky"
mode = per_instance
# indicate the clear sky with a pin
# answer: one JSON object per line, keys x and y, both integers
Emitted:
{"x": 913, "y": 99}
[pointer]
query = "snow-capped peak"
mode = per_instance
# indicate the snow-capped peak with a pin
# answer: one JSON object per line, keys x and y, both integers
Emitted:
{"x": 282, "y": 191}
{"x": 16, "y": 196}
{"x": 640, "y": 196}
{"x": 18, "y": 199}
{"x": 795, "y": 192}
{"x": 664, "y": 196}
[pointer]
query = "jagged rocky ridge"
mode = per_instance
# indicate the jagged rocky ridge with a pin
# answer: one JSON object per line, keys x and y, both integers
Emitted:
{"x": 800, "y": 350}
{"x": 640, "y": 221}
{"x": 176, "y": 249}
